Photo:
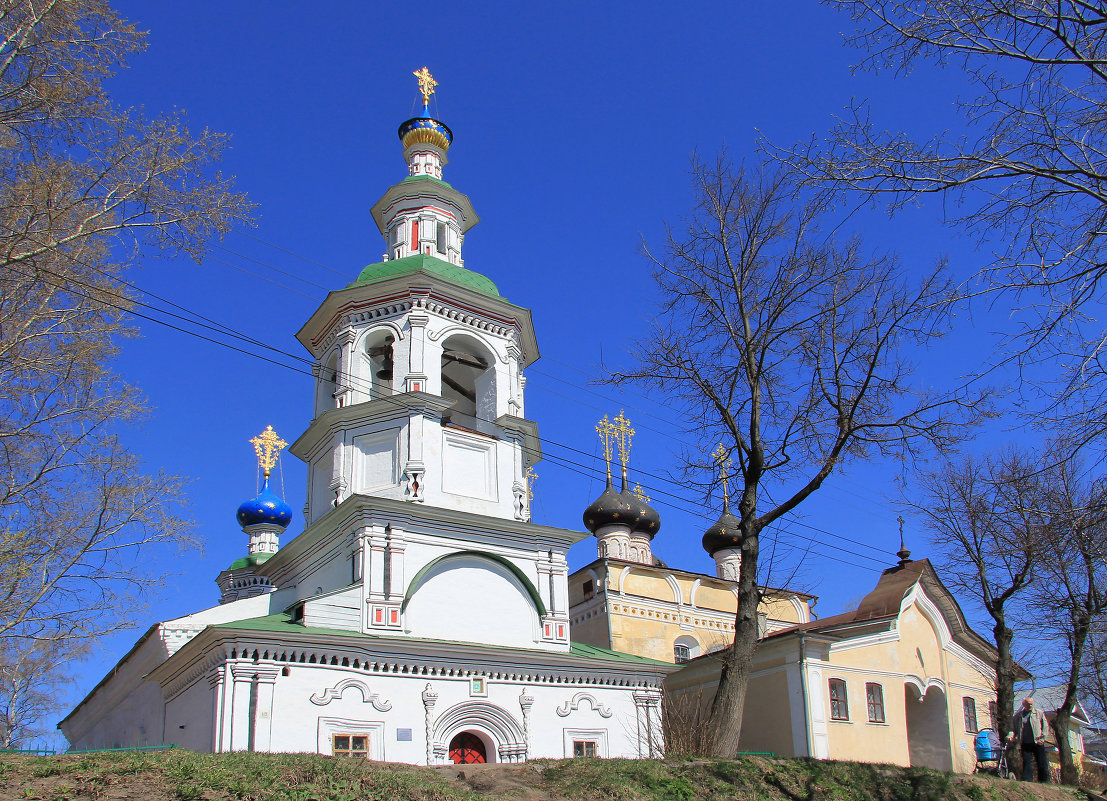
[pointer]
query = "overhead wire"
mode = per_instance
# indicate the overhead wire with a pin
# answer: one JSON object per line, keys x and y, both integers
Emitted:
{"x": 204, "y": 322}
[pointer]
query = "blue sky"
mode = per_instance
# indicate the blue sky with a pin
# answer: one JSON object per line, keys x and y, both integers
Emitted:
{"x": 574, "y": 124}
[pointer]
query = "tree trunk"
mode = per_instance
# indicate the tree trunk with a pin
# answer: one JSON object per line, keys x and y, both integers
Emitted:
{"x": 1005, "y": 673}
{"x": 730, "y": 698}
{"x": 1069, "y": 773}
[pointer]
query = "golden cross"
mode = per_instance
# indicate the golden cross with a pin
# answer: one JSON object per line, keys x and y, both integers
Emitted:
{"x": 721, "y": 459}
{"x": 529, "y": 478}
{"x": 426, "y": 83}
{"x": 268, "y": 446}
{"x": 643, "y": 497}
{"x": 624, "y": 435}
{"x": 607, "y": 436}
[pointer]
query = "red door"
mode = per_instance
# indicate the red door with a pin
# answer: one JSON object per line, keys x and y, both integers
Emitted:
{"x": 466, "y": 748}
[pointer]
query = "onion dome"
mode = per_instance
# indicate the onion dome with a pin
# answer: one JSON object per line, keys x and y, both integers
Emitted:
{"x": 427, "y": 131}
{"x": 265, "y": 507}
{"x": 611, "y": 508}
{"x": 726, "y": 533}
{"x": 646, "y": 519}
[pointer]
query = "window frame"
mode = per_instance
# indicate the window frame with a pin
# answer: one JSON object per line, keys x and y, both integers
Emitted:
{"x": 350, "y": 751}
{"x": 839, "y": 707}
{"x": 681, "y": 653}
{"x": 968, "y": 708}
{"x": 584, "y": 747}
{"x": 874, "y": 702}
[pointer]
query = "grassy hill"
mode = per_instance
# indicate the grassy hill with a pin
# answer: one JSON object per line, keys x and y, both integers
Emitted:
{"x": 177, "y": 774}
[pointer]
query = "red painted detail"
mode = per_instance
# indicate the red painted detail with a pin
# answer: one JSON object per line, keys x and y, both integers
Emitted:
{"x": 560, "y": 632}
{"x": 467, "y": 749}
{"x": 378, "y": 615}
{"x": 547, "y": 629}
{"x": 415, "y": 235}
{"x": 395, "y": 616}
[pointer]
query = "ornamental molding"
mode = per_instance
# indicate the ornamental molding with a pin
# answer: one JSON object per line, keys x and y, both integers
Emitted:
{"x": 360, "y": 317}
{"x": 577, "y": 700}
{"x": 335, "y": 693}
{"x": 183, "y": 681}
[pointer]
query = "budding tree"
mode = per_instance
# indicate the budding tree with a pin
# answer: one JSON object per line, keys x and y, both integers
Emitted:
{"x": 84, "y": 186}
{"x": 792, "y": 350}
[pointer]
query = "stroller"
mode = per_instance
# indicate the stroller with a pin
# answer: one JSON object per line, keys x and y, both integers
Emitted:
{"x": 991, "y": 755}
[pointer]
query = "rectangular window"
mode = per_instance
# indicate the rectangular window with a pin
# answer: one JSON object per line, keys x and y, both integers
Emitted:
{"x": 588, "y": 589}
{"x": 839, "y": 708}
{"x": 970, "y": 715}
{"x": 584, "y": 748}
{"x": 440, "y": 237}
{"x": 350, "y": 745}
{"x": 874, "y": 700}
{"x": 681, "y": 654}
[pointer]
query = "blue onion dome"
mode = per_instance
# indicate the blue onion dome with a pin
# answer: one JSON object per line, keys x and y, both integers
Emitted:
{"x": 726, "y": 533}
{"x": 425, "y": 130}
{"x": 609, "y": 509}
{"x": 266, "y": 507}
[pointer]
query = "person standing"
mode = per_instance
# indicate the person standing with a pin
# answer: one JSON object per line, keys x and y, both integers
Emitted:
{"x": 1029, "y": 726}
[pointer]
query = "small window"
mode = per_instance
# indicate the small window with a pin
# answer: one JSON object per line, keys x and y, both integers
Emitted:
{"x": 440, "y": 237}
{"x": 681, "y": 654}
{"x": 970, "y": 715}
{"x": 874, "y": 700}
{"x": 584, "y": 748}
{"x": 350, "y": 745}
{"x": 839, "y": 708}
{"x": 588, "y": 588}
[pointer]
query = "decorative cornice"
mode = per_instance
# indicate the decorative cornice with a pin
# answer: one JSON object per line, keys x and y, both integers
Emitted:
{"x": 577, "y": 700}
{"x": 334, "y": 693}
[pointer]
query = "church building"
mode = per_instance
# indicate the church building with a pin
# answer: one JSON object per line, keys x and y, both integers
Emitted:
{"x": 344, "y": 640}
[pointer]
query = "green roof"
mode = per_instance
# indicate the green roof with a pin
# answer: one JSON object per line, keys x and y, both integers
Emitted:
{"x": 282, "y": 623}
{"x": 252, "y": 560}
{"x": 412, "y": 178}
{"x": 422, "y": 263}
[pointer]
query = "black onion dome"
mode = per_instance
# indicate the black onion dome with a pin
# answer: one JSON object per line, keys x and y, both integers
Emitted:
{"x": 609, "y": 509}
{"x": 646, "y": 519}
{"x": 726, "y": 533}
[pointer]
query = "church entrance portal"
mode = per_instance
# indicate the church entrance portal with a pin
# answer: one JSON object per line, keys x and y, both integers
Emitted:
{"x": 927, "y": 728}
{"x": 467, "y": 749}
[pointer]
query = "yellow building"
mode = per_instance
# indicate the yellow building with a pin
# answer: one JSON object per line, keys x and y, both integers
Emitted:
{"x": 901, "y": 679}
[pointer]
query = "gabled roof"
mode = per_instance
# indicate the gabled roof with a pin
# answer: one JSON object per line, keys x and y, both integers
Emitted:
{"x": 883, "y": 603}
{"x": 1050, "y": 699}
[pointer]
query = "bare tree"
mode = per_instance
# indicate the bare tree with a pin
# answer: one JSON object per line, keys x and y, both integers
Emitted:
{"x": 32, "y": 674}
{"x": 985, "y": 517}
{"x": 84, "y": 187}
{"x": 791, "y": 350}
{"x": 1029, "y": 176}
{"x": 1071, "y": 598}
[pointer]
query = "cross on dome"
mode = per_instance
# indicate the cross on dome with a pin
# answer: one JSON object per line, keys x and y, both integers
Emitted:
{"x": 268, "y": 446}
{"x": 426, "y": 84}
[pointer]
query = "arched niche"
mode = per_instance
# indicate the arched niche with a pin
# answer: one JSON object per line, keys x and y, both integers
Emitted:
{"x": 475, "y": 597}
{"x": 469, "y": 380}
{"x": 378, "y": 364}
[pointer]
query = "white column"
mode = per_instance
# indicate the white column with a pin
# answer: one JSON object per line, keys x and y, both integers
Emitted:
{"x": 265, "y": 683}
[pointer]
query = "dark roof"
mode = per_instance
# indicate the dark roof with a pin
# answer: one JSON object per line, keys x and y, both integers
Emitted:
{"x": 885, "y": 599}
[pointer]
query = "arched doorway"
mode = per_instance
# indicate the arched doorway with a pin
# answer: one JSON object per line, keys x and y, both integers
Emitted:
{"x": 927, "y": 728}
{"x": 466, "y": 749}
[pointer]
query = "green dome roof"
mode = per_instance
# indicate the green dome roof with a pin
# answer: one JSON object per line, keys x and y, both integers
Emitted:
{"x": 252, "y": 560}
{"x": 430, "y": 265}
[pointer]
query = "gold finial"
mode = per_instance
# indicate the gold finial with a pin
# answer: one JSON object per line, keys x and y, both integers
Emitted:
{"x": 268, "y": 446}
{"x": 721, "y": 459}
{"x": 643, "y": 497}
{"x": 624, "y": 434}
{"x": 607, "y": 436}
{"x": 529, "y": 478}
{"x": 426, "y": 83}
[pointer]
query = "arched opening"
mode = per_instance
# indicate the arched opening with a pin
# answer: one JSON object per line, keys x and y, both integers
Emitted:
{"x": 466, "y": 748}
{"x": 326, "y": 385}
{"x": 927, "y": 727}
{"x": 469, "y": 380}
{"x": 685, "y": 649}
{"x": 379, "y": 354}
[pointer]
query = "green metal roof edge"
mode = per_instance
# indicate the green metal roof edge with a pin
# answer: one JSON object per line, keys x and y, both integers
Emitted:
{"x": 412, "y": 178}
{"x": 251, "y": 560}
{"x": 383, "y": 270}
{"x": 281, "y": 623}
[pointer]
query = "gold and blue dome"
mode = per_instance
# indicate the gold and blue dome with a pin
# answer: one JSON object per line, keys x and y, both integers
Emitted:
{"x": 265, "y": 507}
{"x": 425, "y": 130}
